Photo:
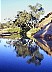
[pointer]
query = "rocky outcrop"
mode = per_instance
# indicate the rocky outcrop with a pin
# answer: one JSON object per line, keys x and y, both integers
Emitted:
{"x": 44, "y": 21}
{"x": 45, "y": 32}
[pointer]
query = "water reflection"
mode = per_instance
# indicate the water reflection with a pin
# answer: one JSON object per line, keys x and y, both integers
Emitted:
{"x": 22, "y": 55}
{"x": 27, "y": 47}
{"x": 0, "y": 41}
{"x": 46, "y": 45}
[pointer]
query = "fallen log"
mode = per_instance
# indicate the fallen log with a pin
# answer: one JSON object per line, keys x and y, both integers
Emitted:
{"x": 5, "y": 34}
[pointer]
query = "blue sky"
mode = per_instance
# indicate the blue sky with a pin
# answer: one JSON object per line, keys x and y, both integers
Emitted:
{"x": 9, "y": 8}
{"x": 0, "y": 10}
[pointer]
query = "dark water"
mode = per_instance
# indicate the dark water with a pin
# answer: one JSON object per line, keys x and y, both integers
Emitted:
{"x": 24, "y": 57}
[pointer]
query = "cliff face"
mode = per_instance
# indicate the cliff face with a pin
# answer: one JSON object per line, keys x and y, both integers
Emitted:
{"x": 45, "y": 32}
{"x": 44, "y": 21}
{"x": 46, "y": 27}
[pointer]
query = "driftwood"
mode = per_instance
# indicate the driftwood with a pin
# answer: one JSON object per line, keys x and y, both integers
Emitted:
{"x": 8, "y": 33}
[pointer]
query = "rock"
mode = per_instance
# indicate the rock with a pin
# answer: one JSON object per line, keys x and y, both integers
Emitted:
{"x": 45, "y": 32}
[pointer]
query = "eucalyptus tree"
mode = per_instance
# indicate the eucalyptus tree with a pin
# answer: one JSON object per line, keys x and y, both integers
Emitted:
{"x": 26, "y": 20}
{"x": 1, "y": 26}
{"x": 36, "y": 12}
{"x": 23, "y": 17}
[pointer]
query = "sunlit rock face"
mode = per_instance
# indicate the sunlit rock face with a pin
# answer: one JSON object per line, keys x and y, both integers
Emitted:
{"x": 45, "y": 32}
{"x": 44, "y": 21}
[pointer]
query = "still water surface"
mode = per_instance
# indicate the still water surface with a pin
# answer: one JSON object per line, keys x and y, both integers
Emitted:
{"x": 23, "y": 58}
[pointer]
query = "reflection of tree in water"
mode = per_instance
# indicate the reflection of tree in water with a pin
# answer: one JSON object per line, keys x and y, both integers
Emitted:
{"x": 0, "y": 41}
{"x": 28, "y": 48}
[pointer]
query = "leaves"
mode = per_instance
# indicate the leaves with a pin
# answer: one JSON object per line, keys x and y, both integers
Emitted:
{"x": 23, "y": 17}
{"x": 37, "y": 10}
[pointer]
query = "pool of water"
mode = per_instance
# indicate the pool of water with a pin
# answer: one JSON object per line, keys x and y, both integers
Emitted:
{"x": 12, "y": 59}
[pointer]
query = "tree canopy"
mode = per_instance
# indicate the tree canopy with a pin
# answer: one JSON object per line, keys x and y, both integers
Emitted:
{"x": 27, "y": 20}
{"x": 37, "y": 11}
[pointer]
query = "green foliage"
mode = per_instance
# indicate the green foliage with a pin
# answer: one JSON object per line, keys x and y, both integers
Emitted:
{"x": 1, "y": 26}
{"x": 23, "y": 17}
{"x": 13, "y": 29}
{"x": 37, "y": 10}
{"x": 28, "y": 19}
{"x": 15, "y": 36}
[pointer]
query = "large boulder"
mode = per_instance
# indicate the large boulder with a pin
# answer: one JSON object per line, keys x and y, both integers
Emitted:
{"x": 45, "y": 32}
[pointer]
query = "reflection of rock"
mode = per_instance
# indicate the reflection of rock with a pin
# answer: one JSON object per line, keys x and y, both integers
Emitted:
{"x": 28, "y": 49}
{"x": 45, "y": 45}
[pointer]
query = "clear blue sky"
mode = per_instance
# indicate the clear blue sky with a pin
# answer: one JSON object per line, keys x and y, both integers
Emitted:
{"x": 0, "y": 10}
{"x": 9, "y": 8}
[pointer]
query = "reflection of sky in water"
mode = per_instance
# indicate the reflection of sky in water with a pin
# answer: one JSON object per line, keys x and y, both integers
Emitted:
{"x": 10, "y": 63}
{"x": 47, "y": 61}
